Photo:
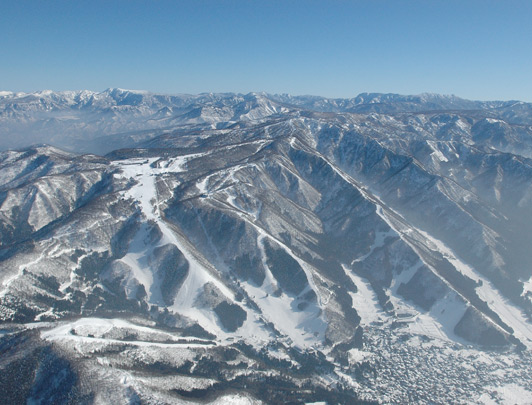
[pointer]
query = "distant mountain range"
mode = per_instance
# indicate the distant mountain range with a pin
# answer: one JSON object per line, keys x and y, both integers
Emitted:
{"x": 99, "y": 122}
{"x": 257, "y": 247}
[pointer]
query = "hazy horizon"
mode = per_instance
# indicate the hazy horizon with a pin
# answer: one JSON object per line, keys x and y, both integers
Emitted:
{"x": 147, "y": 91}
{"x": 478, "y": 50}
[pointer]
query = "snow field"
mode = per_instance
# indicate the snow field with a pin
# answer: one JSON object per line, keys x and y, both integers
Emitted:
{"x": 96, "y": 330}
{"x": 185, "y": 302}
{"x": 512, "y": 315}
{"x": 365, "y": 300}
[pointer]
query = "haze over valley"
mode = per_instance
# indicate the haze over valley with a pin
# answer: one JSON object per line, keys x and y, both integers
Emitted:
{"x": 264, "y": 248}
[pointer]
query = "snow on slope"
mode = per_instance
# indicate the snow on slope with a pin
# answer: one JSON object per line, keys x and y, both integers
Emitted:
{"x": 512, "y": 315}
{"x": 305, "y": 328}
{"x": 507, "y": 394}
{"x": 380, "y": 237}
{"x": 437, "y": 154}
{"x": 365, "y": 300}
{"x": 100, "y": 330}
{"x": 185, "y": 303}
{"x": 527, "y": 286}
{"x": 436, "y": 323}
{"x": 440, "y": 321}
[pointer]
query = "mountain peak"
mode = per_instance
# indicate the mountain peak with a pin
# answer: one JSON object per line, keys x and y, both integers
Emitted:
{"x": 285, "y": 248}
{"x": 118, "y": 90}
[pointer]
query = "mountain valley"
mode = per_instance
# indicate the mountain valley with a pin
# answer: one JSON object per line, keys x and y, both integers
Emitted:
{"x": 228, "y": 248}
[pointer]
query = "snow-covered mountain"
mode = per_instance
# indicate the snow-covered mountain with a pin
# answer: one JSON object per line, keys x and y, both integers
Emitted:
{"x": 285, "y": 248}
{"x": 103, "y": 121}
{"x": 99, "y": 122}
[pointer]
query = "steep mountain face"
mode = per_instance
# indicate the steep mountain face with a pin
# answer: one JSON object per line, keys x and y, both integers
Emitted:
{"x": 283, "y": 247}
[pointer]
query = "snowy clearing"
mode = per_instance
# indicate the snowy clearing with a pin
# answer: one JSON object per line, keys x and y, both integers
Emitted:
{"x": 365, "y": 300}
{"x": 95, "y": 330}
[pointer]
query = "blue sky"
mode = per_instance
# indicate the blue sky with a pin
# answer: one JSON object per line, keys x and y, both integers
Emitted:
{"x": 474, "y": 49}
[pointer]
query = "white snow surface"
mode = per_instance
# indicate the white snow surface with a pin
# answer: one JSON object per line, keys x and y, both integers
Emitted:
{"x": 365, "y": 300}
{"x": 440, "y": 321}
{"x": 358, "y": 356}
{"x": 94, "y": 330}
{"x": 235, "y": 399}
{"x": 512, "y": 315}
{"x": 507, "y": 394}
{"x": 437, "y": 153}
{"x": 304, "y": 328}
{"x": 380, "y": 237}
{"x": 436, "y": 324}
{"x": 185, "y": 303}
{"x": 527, "y": 286}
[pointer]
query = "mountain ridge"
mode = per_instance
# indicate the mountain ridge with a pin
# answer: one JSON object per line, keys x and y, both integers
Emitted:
{"x": 310, "y": 247}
